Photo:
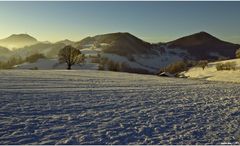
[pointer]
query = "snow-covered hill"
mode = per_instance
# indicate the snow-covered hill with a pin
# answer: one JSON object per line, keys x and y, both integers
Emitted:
{"x": 211, "y": 73}
{"x": 100, "y": 107}
{"x": 136, "y": 54}
{"x": 149, "y": 62}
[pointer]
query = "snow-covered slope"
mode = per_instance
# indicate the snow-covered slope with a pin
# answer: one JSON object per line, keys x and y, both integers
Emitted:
{"x": 150, "y": 62}
{"x": 45, "y": 64}
{"x": 99, "y": 107}
{"x": 133, "y": 53}
{"x": 211, "y": 73}
{"x": 39, "y": 64}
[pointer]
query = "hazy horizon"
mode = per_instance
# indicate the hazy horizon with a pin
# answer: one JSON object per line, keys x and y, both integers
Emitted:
{"x": 151, "y": 21}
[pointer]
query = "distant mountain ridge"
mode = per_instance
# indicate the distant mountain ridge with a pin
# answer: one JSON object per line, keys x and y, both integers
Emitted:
{"x": 66, "y": 42}
{"x": 199, "y": 45}
{"x": 123, "y": 47}
{"x": 18, "y": 41}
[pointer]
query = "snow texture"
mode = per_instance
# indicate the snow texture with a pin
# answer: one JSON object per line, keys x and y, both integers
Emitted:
{"x": 100, "y": 107}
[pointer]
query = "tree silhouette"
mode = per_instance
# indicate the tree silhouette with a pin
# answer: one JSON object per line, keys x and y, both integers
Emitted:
{"x": 203, "y": 63}
{"x": 70, "y": 55}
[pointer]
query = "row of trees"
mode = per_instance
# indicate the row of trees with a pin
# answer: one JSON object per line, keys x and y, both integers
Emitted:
{"x": 15, "y": 60}
{"x": 12, "y": 61}
{"x": 72, "y": 56}
{"x": 106, "y": 64}
{"x": 226, "y": 66}
{"x": 180, "y": 66}
{"x": 68, "y": 55}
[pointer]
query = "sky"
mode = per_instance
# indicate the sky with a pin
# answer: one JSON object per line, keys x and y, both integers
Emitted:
{"x": 150, "y": 21}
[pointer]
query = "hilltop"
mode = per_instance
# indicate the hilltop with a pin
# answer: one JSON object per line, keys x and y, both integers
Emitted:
{"x": 17, "y": 41}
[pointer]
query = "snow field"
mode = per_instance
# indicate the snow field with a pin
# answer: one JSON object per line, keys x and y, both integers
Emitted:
{"x": 99, "y": 107}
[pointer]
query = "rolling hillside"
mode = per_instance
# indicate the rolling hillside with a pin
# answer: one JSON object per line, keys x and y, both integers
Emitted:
{"x": 211, "y": 73}
{"x": 125, "y": 48}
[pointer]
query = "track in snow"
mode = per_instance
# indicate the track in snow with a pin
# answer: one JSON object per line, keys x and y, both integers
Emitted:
{"x": 96, "y": 107}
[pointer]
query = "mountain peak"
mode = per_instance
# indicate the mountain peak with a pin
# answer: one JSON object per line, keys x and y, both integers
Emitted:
{"x": 202, "y": 43}
{"x": 18, "y": 41}
{"x": 196, "y": 39}
{"x": 203, "y": 34}
{"x": 66, "y": 42}
{"x": 22, "y": 37}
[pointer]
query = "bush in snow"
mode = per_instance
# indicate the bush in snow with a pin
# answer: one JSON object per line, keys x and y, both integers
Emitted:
{"x": 34, "y": 68}
{"x": 95, "y": 60}
{"x": 131, "y": 58}
{"x": 106, "y": 64}
{"x": 222, "y": 58}
{"x": 113, "y": 66}
{"x": 190, "y": 63}
{"x": 203, "y": 64}
{"x": 11, "y": 62}
{"x": 238, "y": 53}
{"x": 124, "y": 67}
{"x": 102, "y": 63}
{"x": 34, "y": 57}
{"x": 175, "y": 67}
{"x": 101, "y": 67}
{"x": 226, "y": 66}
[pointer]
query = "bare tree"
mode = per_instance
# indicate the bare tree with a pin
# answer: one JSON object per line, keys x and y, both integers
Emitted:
{"x": 203, "y": 64}
{"x": 70, "y": 55}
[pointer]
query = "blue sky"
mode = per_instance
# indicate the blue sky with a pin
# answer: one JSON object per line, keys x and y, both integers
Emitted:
{"x": 151, "y": 21}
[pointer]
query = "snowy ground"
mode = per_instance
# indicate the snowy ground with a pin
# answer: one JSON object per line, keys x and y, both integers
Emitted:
{"x": 96, "y": 107}
{"x": 48, "y": 64}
